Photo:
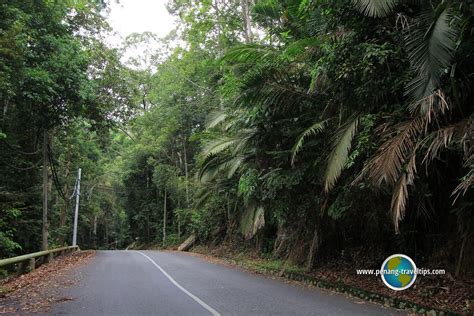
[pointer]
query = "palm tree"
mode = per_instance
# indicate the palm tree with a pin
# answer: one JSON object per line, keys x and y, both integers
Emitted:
{"x": 432, "y": 38}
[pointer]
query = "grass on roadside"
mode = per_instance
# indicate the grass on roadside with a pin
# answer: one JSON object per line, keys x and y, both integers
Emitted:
{"x": 4, "y": 291}
{"x": 271, "y": 265}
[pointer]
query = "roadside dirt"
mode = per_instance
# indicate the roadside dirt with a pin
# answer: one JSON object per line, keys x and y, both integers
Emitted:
{"x": 36, "y": 291}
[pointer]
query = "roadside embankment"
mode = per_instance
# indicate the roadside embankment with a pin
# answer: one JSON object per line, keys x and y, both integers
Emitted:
{"x": 431, "y": 295}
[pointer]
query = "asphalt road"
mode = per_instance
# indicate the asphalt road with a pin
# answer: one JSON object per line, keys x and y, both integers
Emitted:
{"x": 168, "y": 283}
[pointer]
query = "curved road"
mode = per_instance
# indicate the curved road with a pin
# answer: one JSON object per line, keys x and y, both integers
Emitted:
{"x": 167, "y": 283}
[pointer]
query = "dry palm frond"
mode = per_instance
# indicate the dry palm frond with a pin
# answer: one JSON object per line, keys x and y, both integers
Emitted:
{"x": 402, "y": 20}
{"x": 400, "y": 191}
{"x": 466, "y": 183}
{"x": 388, "y": 162}
{"x": 411, "y": 167}
{"x": 339, "y": 154}
{"x": 399, "y": 199}
{"x": 442, "y": 139}
{"x": 461, "y": 132}
{"x": 431, "y": 105}
{"x": 468, "y": 180}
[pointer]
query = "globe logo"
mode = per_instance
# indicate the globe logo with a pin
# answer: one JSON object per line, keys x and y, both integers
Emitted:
{"x": 398, "y": 272}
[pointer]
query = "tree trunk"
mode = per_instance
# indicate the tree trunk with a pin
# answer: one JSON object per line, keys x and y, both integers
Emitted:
{"x": 259, "y": 242}
{"x": 246, "y": 18}
{"x": 94, "y": 233}
{"x": 186, "y": 173}
{"x": 179, "y": 220}
{"x": 228, "y": 218}
{"x": 44, "y": 231}
{"x": 164, "y": 220}
{"x": 317, "y": 234}
{"x": 280, "y": 241}
{"x": 65, "y": 208}
{"x": 460, "y": 258}
{"x": 314, "y": 247}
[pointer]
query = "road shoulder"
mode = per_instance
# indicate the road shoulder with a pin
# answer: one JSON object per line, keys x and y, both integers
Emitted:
{"x": 37, "y": 291}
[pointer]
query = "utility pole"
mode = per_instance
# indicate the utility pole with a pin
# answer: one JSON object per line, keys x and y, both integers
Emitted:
{"x": 76, "y": 212}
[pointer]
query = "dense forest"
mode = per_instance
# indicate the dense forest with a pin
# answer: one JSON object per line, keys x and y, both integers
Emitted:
{"x": 312, "y": 131}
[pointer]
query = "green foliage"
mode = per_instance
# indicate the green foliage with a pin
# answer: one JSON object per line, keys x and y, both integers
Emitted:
{"x": 278, "y": 134}
{"x": 340, "y": 153}
{"x": 8, "y": 246}
{"x": 340, "y": 206}
{"x": 248, "y": 183}
{"x": 203, "y": 222}
{"x": 363, "y": 139}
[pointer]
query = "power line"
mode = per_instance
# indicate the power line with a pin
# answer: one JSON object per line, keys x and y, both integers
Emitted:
{"x": 125, "y": 186}
{"x": 57, "y": 184}
{"x": 17, "y": 150}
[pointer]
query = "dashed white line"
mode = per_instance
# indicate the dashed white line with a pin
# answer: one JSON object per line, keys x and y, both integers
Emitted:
{"x": 191, "y": 295}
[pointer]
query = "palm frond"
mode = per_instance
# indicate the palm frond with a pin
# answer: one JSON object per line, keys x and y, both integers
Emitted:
{"x": 275, "y": 91}
{"x": 399, "y": 199}
{"x": 250, "y": 54}
{"x": 441, "y": 139}
{"x": 209, "y": 169}
{"x": 300, "y": 46}
{"x": 431, "y": 42}
{"x": 215, "y": 118}
{"x": 339, "y": 154}
{"x": 386, "y": 165}
{"x": 219, "y": 145}
{"x": 233, "y": 165}
{"x": 243, "y": 138}
{"x": 222, "y": 163}
{"x": 267, "y": 9}
{"x": 375, "y": 8}
{"x": 310, "y": 131}
{"x": 466, "y": 182}
{"x": 456, "y": 133}
{"x": 252, "y": 220}
{"x": 431, "y": 106}
{"x": 202, "y": 196}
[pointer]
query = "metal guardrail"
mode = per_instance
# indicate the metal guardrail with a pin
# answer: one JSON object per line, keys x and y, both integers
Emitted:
{"x": 31, "y": 258}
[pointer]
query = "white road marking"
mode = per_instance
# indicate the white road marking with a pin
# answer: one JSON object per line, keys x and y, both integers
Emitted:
{"x": 191, "y": 295}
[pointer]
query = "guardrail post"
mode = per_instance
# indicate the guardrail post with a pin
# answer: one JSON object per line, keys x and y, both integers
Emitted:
{"x": 31, "y": 264}
{"x": 22, "y": 267}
